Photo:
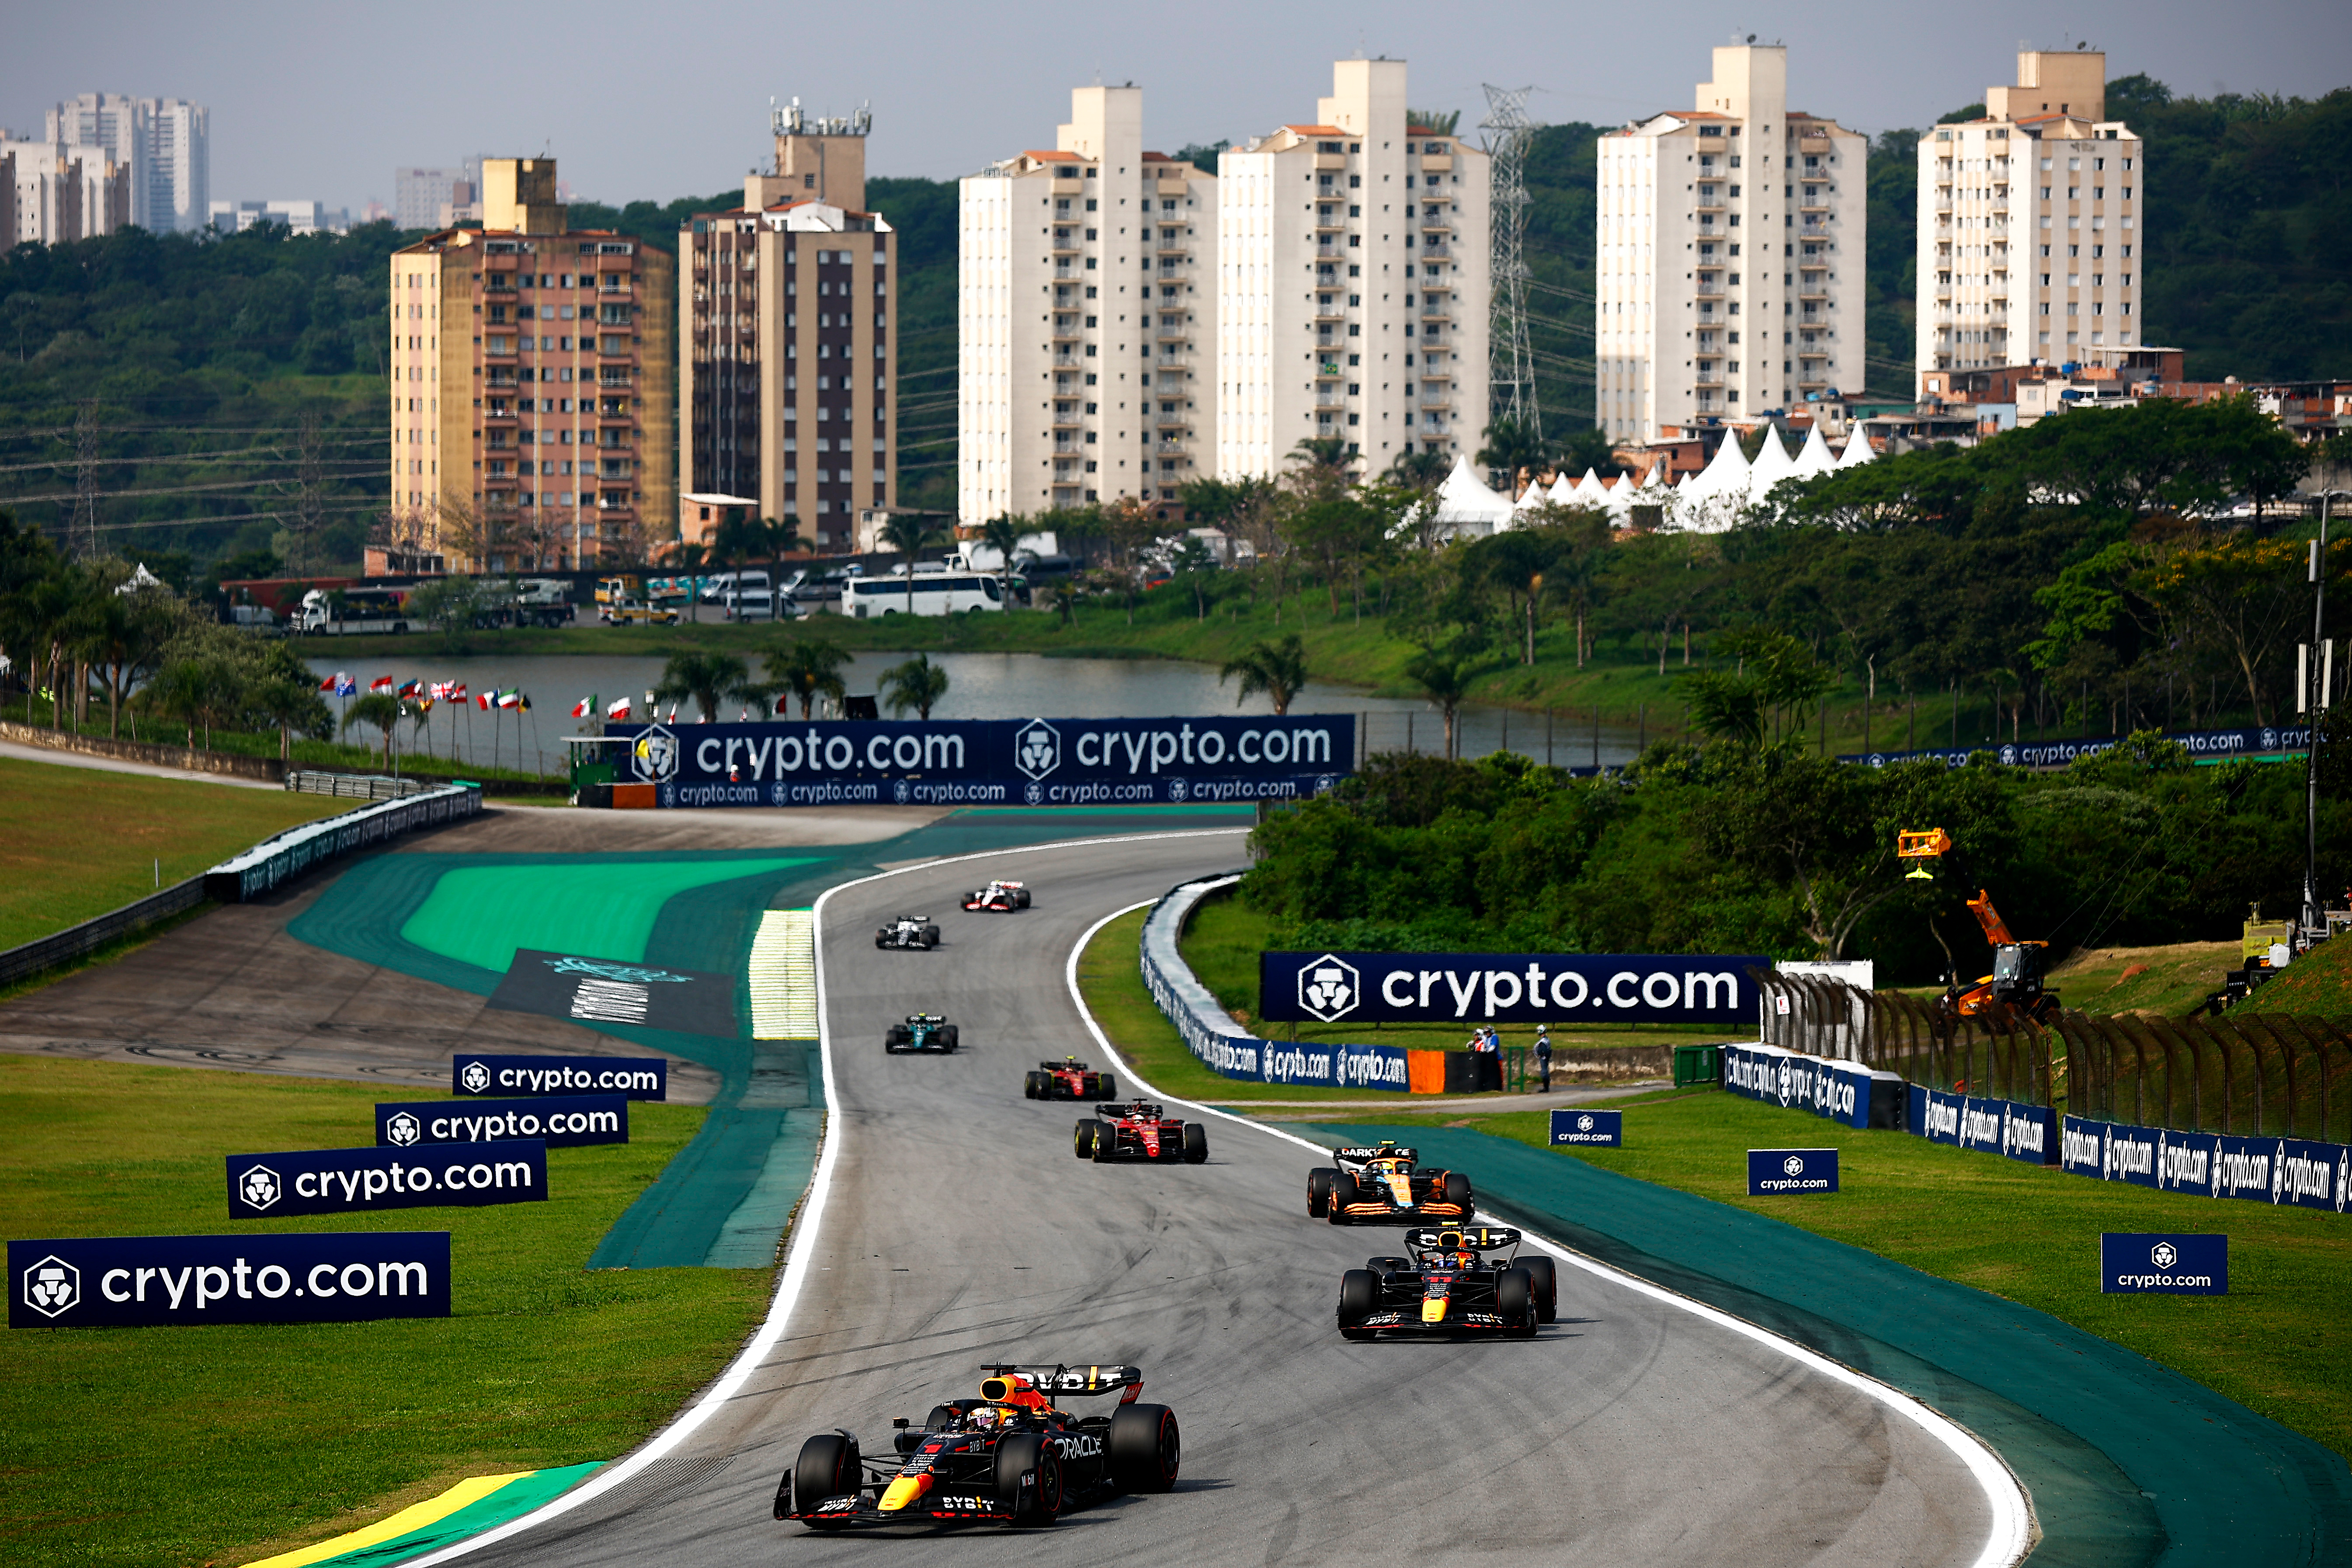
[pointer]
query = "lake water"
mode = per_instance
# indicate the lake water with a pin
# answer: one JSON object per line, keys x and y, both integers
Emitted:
{"x": 980, "y": 685}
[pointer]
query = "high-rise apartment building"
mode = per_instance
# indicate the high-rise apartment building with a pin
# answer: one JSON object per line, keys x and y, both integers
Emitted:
{"x": 436, "y": 198}
{"x": 1085, "y": 301}
{"x": 2029, "y": 245}
{"x": 787, "y": 323}
{"x": 1731, "y": 257}
{"x": 1352, "y": 284}
{"x": 65, "y": 190}
{"x": 164, "y": 144}
{"x": 532, "y": 371}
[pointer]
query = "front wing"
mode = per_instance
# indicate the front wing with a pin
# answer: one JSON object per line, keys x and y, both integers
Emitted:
{"x": 1172, "y": 1148}
{"x": 1407, "y": 1319}
{"x": 1385, "y": 1211}
{"x": 861, "y": 1509}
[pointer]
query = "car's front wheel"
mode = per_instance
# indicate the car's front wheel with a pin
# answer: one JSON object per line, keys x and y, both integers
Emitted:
{"x": 1025, "y": 1453}
{"x": 1084, "y": 1139}
{"x": 1319, "y": 1191}
{"x": 1547, "y": 1282}
{"x": 1359, "y": 1292}
{"x": 828, "y": 1466}
{"x": 1515, "y": 1302}
{"x": 1196, "y": 1144}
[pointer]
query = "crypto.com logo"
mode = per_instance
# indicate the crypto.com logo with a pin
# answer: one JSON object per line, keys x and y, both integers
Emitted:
{"x": 1793, "y": 1167}
{"x": 1584, "y": 1124}
{"x": 1036, "y": 749}
{"x": 2163, "y": 1255}
{"x": 1329, "y": 988}
{"x": 260, "y": 1187}
{"x": 403, "y": 1130}
{"x": 52, "y": 1286}
{"x": 476, "y": 1078}
{"x": 654, "y": 758}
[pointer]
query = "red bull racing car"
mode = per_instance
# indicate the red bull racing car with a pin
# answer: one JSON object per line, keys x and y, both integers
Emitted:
{"x": 1463, "y": 1280}
{"x": 1141, "y": 1131}
{"x": 1011, "y": 1456}
{"x": 1004, "y": 897}
{"x": 1384, "y": 1184}
{"x": 1069, "y": 1079}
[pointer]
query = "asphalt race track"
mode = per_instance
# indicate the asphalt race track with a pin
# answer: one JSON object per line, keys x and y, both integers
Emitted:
{"x": 958, "y": 1228}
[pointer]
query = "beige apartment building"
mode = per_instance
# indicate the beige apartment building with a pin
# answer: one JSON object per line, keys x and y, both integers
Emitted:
{"x": 1085, "y": 305}
{"x": 2028, "y": 244}
{"x": 1730, "y": 255}
{"x": 532, "y": 370}
{"x": 786, "y": 317}
{"x": 1352, "y": 284}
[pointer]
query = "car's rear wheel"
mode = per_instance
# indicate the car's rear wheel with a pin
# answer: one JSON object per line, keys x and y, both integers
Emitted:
{"x": 1086, "y": 1140}
{"x": 1546, "y": 1276}
{"x": 1457, "y": 1187}
{"x": 828, "y": 1467}
{"x": 1515, "y": 1302}
{"x": 1023, "y": 1453}
{"x": 1319, "y": 1191}
{"x": 1359, "y": 1292}
{"x": 1107, "y": 1087}
{"x": 1145, "y": 1449}
{"x": 1196, "y": 1144}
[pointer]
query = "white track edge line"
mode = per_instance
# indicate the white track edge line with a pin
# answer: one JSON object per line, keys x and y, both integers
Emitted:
{"x": 2005, "y": 1496}
{"x": 797, "y": 1264}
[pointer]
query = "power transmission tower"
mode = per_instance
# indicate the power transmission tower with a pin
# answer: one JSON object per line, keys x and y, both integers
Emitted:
{"x": 83, "y": 539}
{"x": 307, "y": 506}
{"x": 1512, "y": 368}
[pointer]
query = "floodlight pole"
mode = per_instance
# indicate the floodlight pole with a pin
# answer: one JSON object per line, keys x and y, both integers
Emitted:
{"x": 2314, "y": 918}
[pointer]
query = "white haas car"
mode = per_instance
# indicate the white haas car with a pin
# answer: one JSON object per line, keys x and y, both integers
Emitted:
{"x": 1000, "y": 896}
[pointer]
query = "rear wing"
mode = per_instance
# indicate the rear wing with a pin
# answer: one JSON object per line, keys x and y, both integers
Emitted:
{"x": 1066, "y": 1379}
{"x": 1065, "y": 1066}
{"x": 1476, "y": 1237}
{"x": 1390, "y": 1152}
{"x": 1132, "y": 1108}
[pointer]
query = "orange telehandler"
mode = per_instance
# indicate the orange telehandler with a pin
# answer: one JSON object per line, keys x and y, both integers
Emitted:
{"x": 2015, "y": 987}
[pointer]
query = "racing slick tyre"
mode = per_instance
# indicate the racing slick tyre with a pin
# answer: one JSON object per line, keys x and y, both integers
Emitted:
{"x": 950, "y": 1037}
{"x": 1105, "y": 1148}
{"x": 1030, "y": 1089}
{"x": 1515, "y": 1302}
{"x": 881, "y": 941}
{"x": 1546, "y": 1280}
{"x": 1021, "y": 898}
{"x": 1086, "y": 1140}
{"x": 828, "y": 1467}
{"x": 1106, "y": 1086}
{"x": 1458, "y": 1191}
{"x": 1145, "y": 1448}
{"x": 1016, "y": 1456}
{"x": 1359, "y": 1292}
{"x": 1196, "y": 1144}
{"x": 930, "y": 936}
{"x": 1319, "y": 1191}
{"x": 894, "y": 1036}
{"x": 1343, "y": 1193}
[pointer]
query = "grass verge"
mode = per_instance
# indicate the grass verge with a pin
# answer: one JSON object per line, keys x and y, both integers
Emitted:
{"x": 212, "y": 1445}
{"x": 77, "y": 842}
{"x": 1112, "y": 983}
{"x": 2276, "y": 1343}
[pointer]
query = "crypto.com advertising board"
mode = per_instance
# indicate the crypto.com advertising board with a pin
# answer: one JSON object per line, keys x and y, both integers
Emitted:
{"x": 992, "y": 761}
{"x": 1508, "y": 987}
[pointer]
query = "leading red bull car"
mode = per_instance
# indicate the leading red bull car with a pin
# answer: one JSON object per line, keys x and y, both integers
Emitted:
{"x": 1139, "y": 1130}
{"x": 1385, "y": 1183}
{"x": 1012, "y": 1457}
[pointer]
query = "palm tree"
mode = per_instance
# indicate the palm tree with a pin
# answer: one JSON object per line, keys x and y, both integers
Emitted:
{"x": 1444, "y": 678}
{"x": 1065, "y": 595}
{"x": 736, "y": 539}
{"x": 909, "y": 535}
{"x": 1421, "y": 472}
{"x": 918, "y": 684}
{"x": 1321, "y": 463}
{"x": 1003, "y": 534}
{"x": 1511, "y": 446}
{"x": 807, "y": 667}
{"x": 381, "y": 708}
{"x": 708, "y": 679}
{"x": 782, "y": 539}
{"x": 1276, "y": 669}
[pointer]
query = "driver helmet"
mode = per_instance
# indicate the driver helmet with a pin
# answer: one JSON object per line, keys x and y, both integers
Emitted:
{"x": 986, "y": 1418}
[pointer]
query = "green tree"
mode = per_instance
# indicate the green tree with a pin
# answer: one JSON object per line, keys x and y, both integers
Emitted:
{"x": 918, "y": 684}
{"x": 380, "y": 710}
{"x": 1444, "y": 678}
{"x": 1194, "y": 566}
{"x": 1278, "y": 669}
{"x": 1002, "y": 534}
{"x": 909, "y": 535}
{"x": 707, "y": 680}
{"x": 453, "y": 605}
{"x": 806, "y": 668}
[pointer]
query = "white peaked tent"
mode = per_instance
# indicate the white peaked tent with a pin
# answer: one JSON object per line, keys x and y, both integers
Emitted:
{"x": 1727, "y": 475}
{"x": 1815, "y": 457}
{"x": 1563, "y": 489}
{"x": 1857, "y": 449}
{"x": 1620, "y": 497}
{"x": 1772, "y": 465}
{"x": 1465, "y": 506}
{"x": 1590, "y": 491}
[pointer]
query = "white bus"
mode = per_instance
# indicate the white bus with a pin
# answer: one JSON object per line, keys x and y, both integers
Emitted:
{"x": 936, "y": 593}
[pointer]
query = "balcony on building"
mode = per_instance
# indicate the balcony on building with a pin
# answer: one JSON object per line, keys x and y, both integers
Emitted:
{"x": 1065, "y": 243}
{"x": 1710, "y": 285}
{"x": 1173, "y": 362}
{"x": 1170, "y": 448}
{"x": 1437, "y": 397}
{"x": 1068, "y": 420}
{"x": 1064, "y": 329}
{"x": 1327, "y": 370}
{"x": 1324, "y": 247}
{"x": 1433, "y": 248}
{"x": 1437, "y": 372}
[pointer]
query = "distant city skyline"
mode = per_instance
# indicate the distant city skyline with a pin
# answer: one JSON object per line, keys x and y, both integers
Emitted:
{"x": 942, "y": 111}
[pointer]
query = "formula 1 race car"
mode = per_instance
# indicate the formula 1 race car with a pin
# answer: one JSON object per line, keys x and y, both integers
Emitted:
{"x": 1069, "y": 1079}
{"x": 1450, "y": 1285}
{"x": 909, "y": 931}
{"x": 1011, "y": 1456}
{"x": 1140, "y": 1130}
{"x": 920, "y": 1032}
{"x": 1005, "y": 897}
{"x": 1383, "y": 1185}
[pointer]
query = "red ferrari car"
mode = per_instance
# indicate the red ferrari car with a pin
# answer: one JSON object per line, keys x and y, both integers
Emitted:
{"x": 1069, "y": 1079}
{"x": 1002, "y": 896}
{"x": 1141, "y": 1131}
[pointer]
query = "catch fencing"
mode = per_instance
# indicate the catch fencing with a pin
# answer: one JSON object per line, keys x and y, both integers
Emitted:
{"x": 2250, "y": 1074}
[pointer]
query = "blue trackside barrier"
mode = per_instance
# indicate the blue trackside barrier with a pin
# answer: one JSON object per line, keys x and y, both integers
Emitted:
{"x": 1845, "y": 1091}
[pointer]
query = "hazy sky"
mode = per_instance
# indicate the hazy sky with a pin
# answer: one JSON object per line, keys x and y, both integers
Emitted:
{"x": 637, "y": 101}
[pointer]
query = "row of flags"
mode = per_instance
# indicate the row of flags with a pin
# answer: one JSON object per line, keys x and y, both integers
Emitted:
{"x": 588, "y": 707}
{"x": 453, "y": 691}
